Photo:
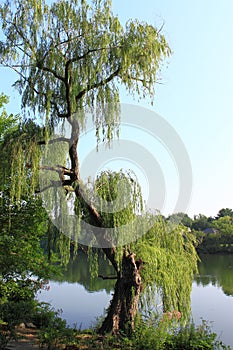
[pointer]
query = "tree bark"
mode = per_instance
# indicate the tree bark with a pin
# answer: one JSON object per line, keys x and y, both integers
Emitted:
{"x": 124, "y": 304}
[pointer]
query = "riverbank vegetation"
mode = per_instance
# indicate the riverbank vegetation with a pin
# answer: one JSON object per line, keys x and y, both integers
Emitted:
{"x": 214, "y": 234}
{"x": 155, "y": 333}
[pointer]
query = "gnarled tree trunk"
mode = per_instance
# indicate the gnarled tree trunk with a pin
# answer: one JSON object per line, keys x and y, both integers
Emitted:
{"x": 124, "y": 305}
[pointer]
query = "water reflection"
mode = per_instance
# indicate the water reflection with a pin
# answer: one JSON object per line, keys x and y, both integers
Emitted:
{"x": 78, "y": 270}
{"x": 82, "y": 299}
{"x": 216, "y": 270}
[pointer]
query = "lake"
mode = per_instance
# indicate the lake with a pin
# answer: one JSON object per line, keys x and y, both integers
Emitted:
{"x": 83, "y": 301}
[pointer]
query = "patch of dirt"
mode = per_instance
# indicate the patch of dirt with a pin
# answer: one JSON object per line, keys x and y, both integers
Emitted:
{"x": 27, "y": 340}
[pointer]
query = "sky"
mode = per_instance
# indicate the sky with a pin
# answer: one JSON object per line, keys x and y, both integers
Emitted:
{"x": 195, "y": 97}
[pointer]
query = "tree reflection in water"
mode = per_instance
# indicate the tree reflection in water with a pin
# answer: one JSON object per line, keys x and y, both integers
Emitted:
{"x": 216, "y": 270}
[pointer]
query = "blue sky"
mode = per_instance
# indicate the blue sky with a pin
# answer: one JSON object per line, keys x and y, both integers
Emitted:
{"x": 197, "y": 91}
{"x": 196, "y": 97}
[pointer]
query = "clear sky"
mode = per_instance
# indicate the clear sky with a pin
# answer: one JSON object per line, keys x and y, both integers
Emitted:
{"x": 196, "y": 97}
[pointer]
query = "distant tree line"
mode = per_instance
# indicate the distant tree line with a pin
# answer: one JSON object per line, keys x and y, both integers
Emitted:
{"x": 214, "y": 234}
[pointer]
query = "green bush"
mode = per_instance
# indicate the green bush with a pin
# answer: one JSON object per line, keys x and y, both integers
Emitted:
{"x": 194, "y": 338}
{"x": 53, "y": 330}
{"x": 166, "y": 333}
{"x": 12, "y": 313}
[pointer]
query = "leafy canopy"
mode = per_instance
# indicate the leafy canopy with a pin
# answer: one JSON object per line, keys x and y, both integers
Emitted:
{"x": 7, "y": 122}
{"x": 67, "y": 55}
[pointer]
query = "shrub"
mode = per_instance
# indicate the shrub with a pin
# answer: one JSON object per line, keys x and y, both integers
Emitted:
{"x": 53, "y": 330}
{"x": 166, "y": 333}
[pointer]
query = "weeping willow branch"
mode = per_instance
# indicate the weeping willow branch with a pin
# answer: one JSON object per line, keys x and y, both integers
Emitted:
{"x": 24, "y": 38}
{"x": 144, "y": 82}
{"x": 32, "y": 86}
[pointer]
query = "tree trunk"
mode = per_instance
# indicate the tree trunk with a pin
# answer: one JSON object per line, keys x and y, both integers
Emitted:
{"x": 124, "y": 305}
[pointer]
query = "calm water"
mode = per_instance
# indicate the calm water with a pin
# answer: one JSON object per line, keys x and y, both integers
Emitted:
{"x": 83, "y": 301}
{"x": 212, "y": 295}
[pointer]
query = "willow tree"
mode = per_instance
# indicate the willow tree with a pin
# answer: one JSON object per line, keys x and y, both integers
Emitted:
{"x": 71, "y": 57}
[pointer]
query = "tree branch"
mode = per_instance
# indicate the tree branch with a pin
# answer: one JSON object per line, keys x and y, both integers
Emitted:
{"x": 67, "y": 84}
{"x": 21, "y": 34}
{"x": 161, "y": 28}
{"x": 57, "y": 168}
{"x": 109, "y": 252}
{"x": 39, "y": 65}
{"x": 32, "y": 86}
{"x": 108, "y": 277}
{"x": 53, "y": 184}
{"x": 96, "y": 85}
{"x": 78, "y": 58}
{"x": 59, "y": 139}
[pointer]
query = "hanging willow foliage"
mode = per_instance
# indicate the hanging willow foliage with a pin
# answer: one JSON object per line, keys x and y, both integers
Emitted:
{"x": 72, "y": 55}
{"x": 169, "y": 263}
{"x": 22, "y": 159}
{"x": 118, "y": 197}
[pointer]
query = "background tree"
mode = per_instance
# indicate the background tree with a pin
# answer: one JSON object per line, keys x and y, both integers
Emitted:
{"x": 70, "y": 58}
{"x": 24, "y": 268}
{"x": 225, "y": 212}
{"x": 7, "y": 122}
{"x": 201, "y": 222}
{"x": 181, "y": 218}
{"x": 224, "y": 225}
{"x": 214, "y": 235}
